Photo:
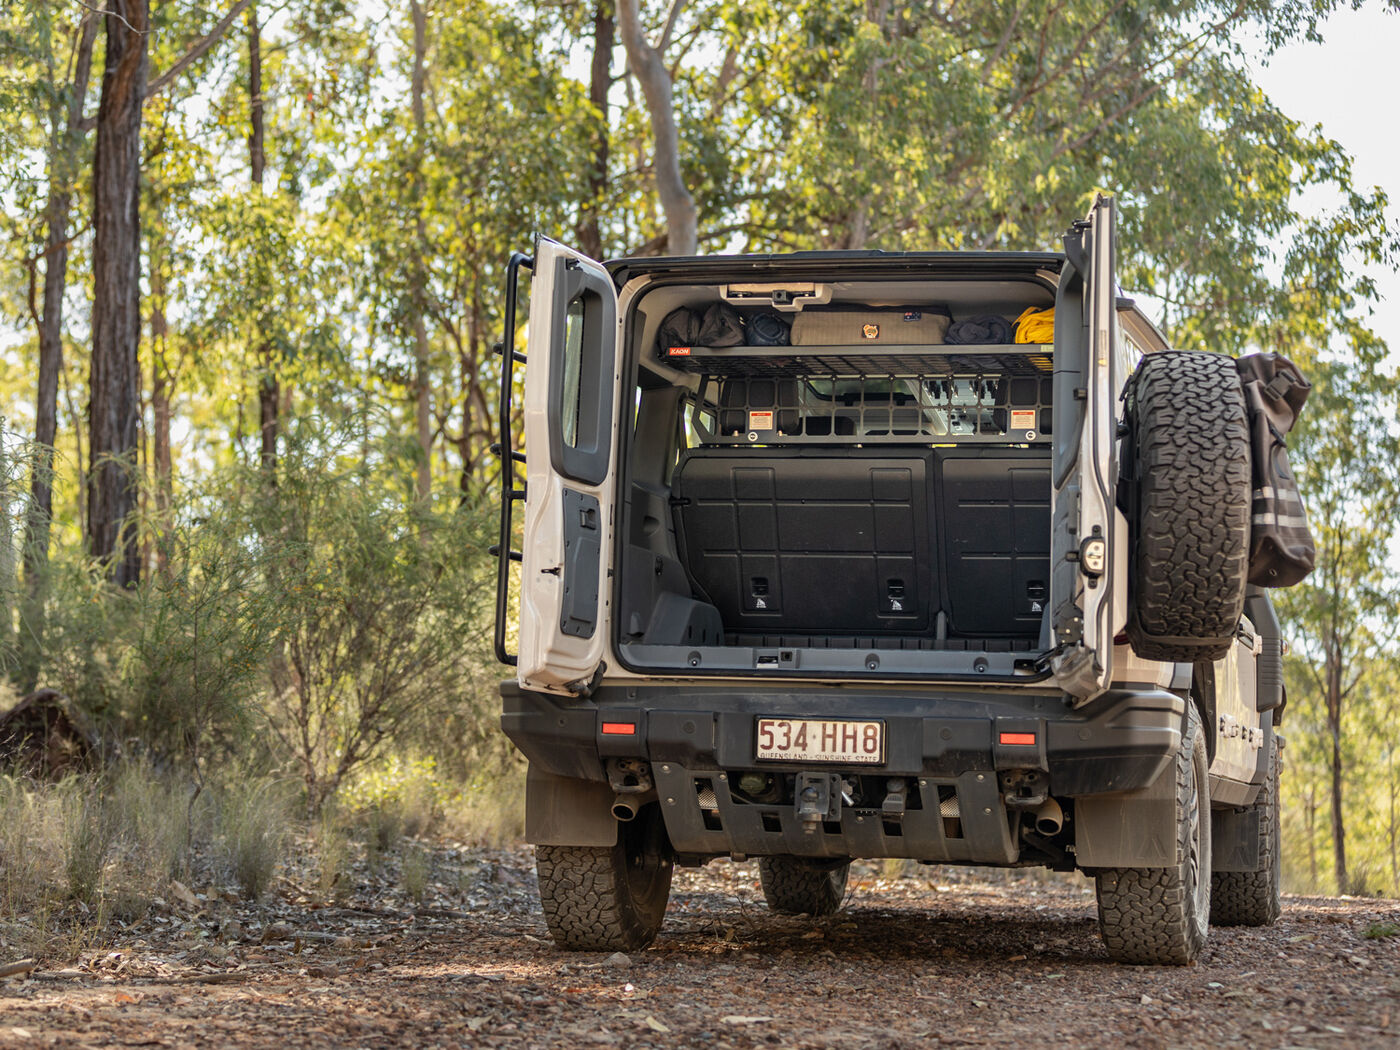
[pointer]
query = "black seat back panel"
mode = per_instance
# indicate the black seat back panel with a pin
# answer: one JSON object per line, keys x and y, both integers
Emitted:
{"x": 785, "y": 540}
{"x": 995, "y": 518}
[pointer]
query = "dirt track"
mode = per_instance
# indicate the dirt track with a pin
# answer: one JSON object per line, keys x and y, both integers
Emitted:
{"x": 934, "y": 958}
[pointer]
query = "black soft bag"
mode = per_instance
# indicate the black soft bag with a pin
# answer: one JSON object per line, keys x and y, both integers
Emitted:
{"x": 718, "y": 324}
{"x": 1281, "y": 550}
{"x": 767, "y": 329}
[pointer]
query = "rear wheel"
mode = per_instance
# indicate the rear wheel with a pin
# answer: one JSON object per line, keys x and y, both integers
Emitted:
{"x": 1159, "y": 916}
{"x": 1252, "y": 898}
{"x": 608, "y": 898}
{"x": 1191, "y": 533}
{"x": 802, "y": 885}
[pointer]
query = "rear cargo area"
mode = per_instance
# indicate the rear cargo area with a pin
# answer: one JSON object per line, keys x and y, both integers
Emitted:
{"x": 865, "y": 506}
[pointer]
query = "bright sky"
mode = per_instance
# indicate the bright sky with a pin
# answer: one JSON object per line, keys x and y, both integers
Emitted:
{"x": 1347, "y": 84}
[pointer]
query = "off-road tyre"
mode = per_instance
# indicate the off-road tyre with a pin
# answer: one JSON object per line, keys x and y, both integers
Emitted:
{"x": 799, "y": 885}
{"x": 1191, "y": 463}
{"x": 1160, "y": 916}
{"x": 1251, "y": 898}
{"x": 607, "y": 898}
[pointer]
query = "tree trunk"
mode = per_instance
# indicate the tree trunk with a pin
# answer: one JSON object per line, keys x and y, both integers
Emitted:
{"x": 599, "y": 83}
{"x": 269, "y": 387}
{"x": 877, "y": 14}
{"x": 1391, "y": 826}
{"x": 422, "y": 388}
{"x": 477, "y": 413}
{"x": 1334, "y": 731}
{"x": 66, "y": 136}
{"x": 114, "y": 404}
{"x": 649, "y": 67}
{"x": 162, "y": 389}
{"x": 257, "y": 155}
{"x": 1310, "y": 816}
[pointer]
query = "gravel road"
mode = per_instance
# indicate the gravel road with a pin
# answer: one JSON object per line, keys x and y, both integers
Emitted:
{"x": 933, "y": 957}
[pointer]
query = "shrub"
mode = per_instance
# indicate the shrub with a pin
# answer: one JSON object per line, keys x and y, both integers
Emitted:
{"x": 255, "y": 820}
{"x": 381, "y": 620}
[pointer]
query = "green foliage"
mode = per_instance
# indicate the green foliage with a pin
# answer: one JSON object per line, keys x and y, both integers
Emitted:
{"x": 396, "y": 796}
{"x": 381, "y": 615}
{"x": 202, "y": 628}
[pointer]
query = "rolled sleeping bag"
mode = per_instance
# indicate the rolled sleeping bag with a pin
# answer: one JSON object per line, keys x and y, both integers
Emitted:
{"x": 984, "y": 328}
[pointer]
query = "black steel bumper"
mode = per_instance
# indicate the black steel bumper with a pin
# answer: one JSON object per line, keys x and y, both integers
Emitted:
{"x": 697, "y": 737}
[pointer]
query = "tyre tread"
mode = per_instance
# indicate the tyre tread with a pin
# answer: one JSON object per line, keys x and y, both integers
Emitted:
{"x": 1193, "y": 468}
{"x": 587, "y": 903}
{"x": 1251, "y": 898}
{"x": 1145, "y": 914}
{"x": 794, "y": 887}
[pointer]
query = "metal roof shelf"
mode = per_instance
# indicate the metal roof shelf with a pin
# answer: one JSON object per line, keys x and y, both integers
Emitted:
{"x": 943, "y": 359}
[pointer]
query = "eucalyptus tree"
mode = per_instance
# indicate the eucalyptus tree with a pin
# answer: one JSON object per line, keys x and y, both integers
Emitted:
{"x": 480, "y": 140}
{"x": 1346, "y": 453}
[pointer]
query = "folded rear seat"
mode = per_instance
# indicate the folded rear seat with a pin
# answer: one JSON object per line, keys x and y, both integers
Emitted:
{"x": 799, "y": 541}
{"x": 994, "y": 519}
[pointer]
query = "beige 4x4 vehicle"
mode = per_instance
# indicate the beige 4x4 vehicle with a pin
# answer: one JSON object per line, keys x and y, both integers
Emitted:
{"x": 860, "y": 591}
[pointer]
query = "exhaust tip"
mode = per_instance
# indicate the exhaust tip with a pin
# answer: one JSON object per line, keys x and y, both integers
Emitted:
{"x": 1049, "y": 817}
{"x": 624, "y": 809}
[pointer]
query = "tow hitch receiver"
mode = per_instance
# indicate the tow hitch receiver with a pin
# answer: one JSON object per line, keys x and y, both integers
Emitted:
{"x": 818, "y": 798}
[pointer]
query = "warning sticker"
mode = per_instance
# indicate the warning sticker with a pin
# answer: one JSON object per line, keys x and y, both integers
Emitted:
{"x": 760, "y": 420}
{"x": 678, "y": 351}
{"x": 1023, "y": 419}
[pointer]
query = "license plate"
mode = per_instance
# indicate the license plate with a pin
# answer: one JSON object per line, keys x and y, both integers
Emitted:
{"x": 818, "y": 740}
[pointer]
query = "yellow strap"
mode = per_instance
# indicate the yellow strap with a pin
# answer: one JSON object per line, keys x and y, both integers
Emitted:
{"x": 1035, "y": 326}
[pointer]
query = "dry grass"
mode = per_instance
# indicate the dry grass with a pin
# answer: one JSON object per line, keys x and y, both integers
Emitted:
{"x": 333, "y": 870}
{"x": 490, "y": 812}
{"x": 415, "y": 871}
{"x": 81, "y": 852}
{"x": 256, "y": 825}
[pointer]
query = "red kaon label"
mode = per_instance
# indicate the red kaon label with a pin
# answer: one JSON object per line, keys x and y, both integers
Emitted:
{"x": 620, "y": 728}
{"x": 1027, "y": 739}
{"x": 678, "y": 351}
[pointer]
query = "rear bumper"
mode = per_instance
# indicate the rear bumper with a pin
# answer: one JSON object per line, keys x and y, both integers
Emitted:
{"x": 700, "y": 736}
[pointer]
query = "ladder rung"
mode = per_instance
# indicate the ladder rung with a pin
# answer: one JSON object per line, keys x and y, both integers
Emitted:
{"x": 517, "y": 494}
{"x": 495, "y": 551}
{"x": 515, "y": 355}
{"x": 519, "y": 457}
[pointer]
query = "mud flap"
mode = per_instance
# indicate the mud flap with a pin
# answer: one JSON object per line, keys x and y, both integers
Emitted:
{"x": 1130, "y": 829}
{"x": 1234, "y": 835}
{"x": 562, "y": 811}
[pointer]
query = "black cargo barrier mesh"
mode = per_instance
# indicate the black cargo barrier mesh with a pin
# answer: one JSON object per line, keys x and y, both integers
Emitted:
{"x": 873, "y": 408}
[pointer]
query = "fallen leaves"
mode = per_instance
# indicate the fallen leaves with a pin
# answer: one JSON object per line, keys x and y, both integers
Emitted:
{"x": 976, "y": 966}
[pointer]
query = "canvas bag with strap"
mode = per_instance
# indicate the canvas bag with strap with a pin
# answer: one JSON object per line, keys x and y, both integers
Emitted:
{"x": 1281, "y": 550}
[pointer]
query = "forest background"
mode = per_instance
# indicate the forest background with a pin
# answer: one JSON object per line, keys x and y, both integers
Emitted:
{"x": 251, "y": 273}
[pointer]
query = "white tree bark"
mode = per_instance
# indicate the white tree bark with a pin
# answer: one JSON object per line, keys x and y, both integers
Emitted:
{"x": 649, "y": 67}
